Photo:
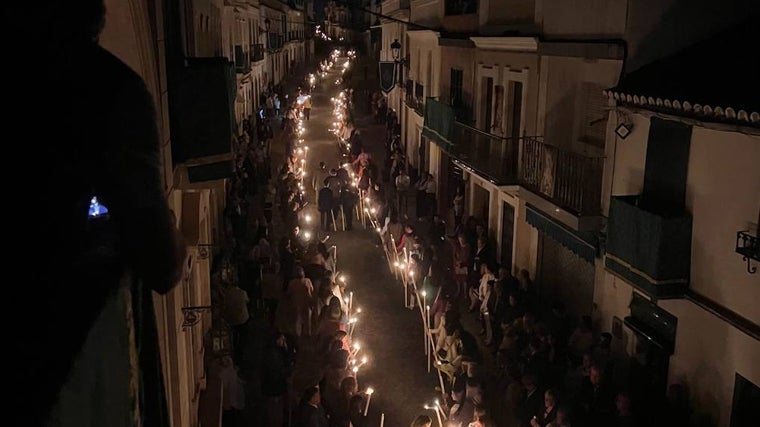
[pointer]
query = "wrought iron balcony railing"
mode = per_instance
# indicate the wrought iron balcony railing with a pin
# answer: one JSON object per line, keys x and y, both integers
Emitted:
{"x": 257, "y": 52}
{"x": 242, "y": 60}
{"x": 570, "y": 180}
{"x": 748, "y": 246}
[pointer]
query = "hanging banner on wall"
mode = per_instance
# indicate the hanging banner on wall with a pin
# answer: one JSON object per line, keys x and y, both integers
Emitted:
{"x": 387, "y": 75}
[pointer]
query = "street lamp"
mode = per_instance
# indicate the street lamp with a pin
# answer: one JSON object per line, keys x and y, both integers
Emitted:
{"x": 396, "y": 52}
{"x": 396, "y": 49}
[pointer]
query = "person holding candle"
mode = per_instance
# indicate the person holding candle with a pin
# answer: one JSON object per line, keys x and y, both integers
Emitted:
{"x": 422, "y": 421}
{"x": 356, "y": 411}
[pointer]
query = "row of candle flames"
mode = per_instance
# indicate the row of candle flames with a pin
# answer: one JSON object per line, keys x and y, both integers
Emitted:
{"x": 400, "y": 264}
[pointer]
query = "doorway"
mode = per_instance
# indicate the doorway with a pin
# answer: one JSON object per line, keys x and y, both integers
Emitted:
{"x": 486, "y": 115}
{"x": 507, "y": 234}
{"x": 564, "y": 276}
{"x": 481, "y": 199}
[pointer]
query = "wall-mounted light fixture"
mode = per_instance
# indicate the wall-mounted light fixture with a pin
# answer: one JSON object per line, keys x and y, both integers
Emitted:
{"x": 623, "y": 130}
{"x": 192, "y": 315}
{"x": 396, "y": 52}
{"x": 748, "y": 246}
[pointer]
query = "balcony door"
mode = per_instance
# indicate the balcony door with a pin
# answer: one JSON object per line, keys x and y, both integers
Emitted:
{"x": 514, "y": 109}
{"x": 486, "y": 112}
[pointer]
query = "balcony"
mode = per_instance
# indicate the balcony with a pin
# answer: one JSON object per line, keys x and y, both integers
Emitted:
{"x": 242, "y": 60}
{"x": 488, "y": 155}
{"x": 417, "y": 104}
{"x": 571, "y": 181}
{"x": 257, "y": 52}
{"x": 649, "y": 249}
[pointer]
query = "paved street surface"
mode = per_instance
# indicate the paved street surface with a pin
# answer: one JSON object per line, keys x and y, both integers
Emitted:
{"x": 391, "y": 336}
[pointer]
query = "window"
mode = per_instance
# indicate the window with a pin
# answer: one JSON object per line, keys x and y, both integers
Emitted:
{"x": 455, "y": 88}
{"x": 514, "y": 109}
{"x": 593, "y": 126}
{"x": 419, "y": 90}
{"x": 746, "y": 401}
{"x": 461, "y": 7}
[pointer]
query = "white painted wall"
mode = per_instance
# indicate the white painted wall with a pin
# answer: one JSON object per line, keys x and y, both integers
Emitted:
{"x": 625, "y": 158}
{"x": 427, "y": 12}
{"x": 561, "y": 98}
{"x": 708, "y": 353}
{"x": 723, "y": 195}
{"x": 584, "y": 18}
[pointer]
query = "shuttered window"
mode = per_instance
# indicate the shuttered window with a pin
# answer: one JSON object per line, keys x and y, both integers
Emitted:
{"x": 594, "y": 114}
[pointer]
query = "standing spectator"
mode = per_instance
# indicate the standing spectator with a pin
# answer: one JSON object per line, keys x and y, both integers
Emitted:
{"x": 348, "y": 200}
{"x": 325, "y": 204}
{"x": 309, "y": 412}
{"x": 270, "y": 106}
{"x": 233, "y": 394}
{"x": 458, "y": 206}
{"x": 462, "y": 261}
{"x": 430, "y": 200}
{"x": 307, "y": 107}
{"x": 301, "y": 295}
{"x": 236, "y": 313}
{"x": 403, "y": 182}
{"x": 421, "y": 207}
{"x": 275, "y": 373}
{"x": 277, "y": 104}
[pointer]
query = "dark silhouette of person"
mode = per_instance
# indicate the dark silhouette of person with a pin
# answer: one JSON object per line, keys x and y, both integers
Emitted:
{"x": 349, "y": 199}
{"x": 99, "y": 138}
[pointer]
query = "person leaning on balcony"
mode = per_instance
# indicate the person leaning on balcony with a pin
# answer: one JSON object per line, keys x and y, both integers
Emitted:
{"x": 99, "y": 267}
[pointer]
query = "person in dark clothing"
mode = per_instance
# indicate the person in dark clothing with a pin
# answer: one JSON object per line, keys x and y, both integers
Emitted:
{"x": 595, "y": 399}
{"x": 309, "y": 412}
{"x": 287, "y": 260}
{"x": 325, "y": 204}
{"x": 348, "y": 200}
{"x": 277, "y": 364}
{"x": 534, "y": 399}
{"x": 101, "y": 148}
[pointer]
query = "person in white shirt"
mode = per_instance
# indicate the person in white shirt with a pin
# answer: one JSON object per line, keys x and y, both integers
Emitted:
{"x": 430, "y": 188}
{"x": 479, "y": 296}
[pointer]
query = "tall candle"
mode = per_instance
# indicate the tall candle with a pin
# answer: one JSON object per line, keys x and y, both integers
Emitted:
{"x": 369, "y": 397}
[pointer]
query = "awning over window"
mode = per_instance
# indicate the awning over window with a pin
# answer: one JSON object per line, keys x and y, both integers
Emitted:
{"x": 580, "y": 243}
{"x": 210, "y": 171}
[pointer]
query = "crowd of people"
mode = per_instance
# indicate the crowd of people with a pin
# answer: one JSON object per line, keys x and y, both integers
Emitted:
{"x": 294, "y": 283}
{"x": 506, "y": 355}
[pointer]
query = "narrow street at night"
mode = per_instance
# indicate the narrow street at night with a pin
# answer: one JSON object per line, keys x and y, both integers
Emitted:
{"x": 384, "y": 213}
{"x": 390, "y": 335}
